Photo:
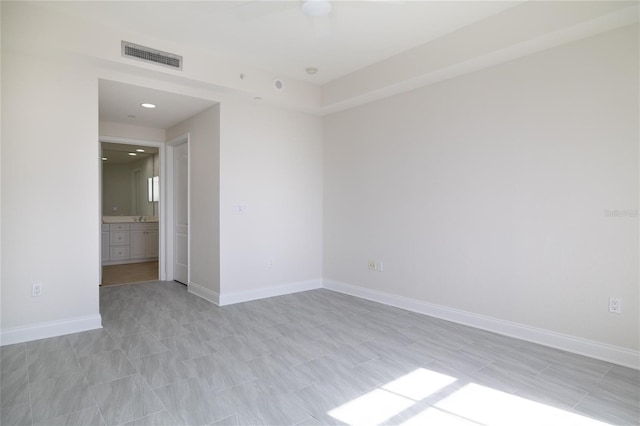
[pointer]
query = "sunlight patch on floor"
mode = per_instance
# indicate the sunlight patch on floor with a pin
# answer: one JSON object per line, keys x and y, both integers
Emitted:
{"x": 433, "y": 416}
{"x": 419, "y": 384}
{"x": 371, "y": 408}
{"x": 383, "y": 403}
{"x": 472, "y": 404}
{"x": 489, "y": 406}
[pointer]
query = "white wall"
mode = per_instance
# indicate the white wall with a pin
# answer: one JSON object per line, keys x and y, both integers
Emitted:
{"x": 486, "y": 193}
{"x": 119, "y": 130}
{"x": 50, "y": 209}
{"x": 1, "y": 316}
{"x": 50, "y": 135}
{"x": 271, "y": 162}
{"x": 484, "y": 189}
{"x": 204, "y": 187}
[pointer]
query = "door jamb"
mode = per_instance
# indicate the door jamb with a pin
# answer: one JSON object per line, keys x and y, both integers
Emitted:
{"x": 170, "y": 243}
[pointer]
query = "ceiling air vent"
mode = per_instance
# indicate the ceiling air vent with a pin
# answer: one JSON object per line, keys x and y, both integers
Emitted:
{"x": 147, "y": 54}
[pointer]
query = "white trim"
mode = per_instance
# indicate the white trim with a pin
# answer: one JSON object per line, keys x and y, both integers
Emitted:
{"x": 170, "y": 206}
{"x": 263, "y": 293}
{"x": 608, "y": 22}
{"x": 205, "y": 293}
{"x": 590, "y": 348}
{"x": 249, "y": 295}
{"x": 169, "y": 210}
{"x": 50, "y": 329}
{"x": 131, "y": 141}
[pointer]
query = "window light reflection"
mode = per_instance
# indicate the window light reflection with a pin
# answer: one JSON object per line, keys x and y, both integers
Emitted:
{"x": 383, "y": 403}
{"x": 489, "y": 406}
{"x": 419, "y": 384}
{"x": 372, "y": 408}
{"x": 433, "y": 416}
{"x": 472, "y": 404}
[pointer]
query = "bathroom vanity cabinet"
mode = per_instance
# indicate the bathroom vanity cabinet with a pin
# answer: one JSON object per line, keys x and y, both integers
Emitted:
{"x": 144, "y": 240}
{"x": 129, "y": 242}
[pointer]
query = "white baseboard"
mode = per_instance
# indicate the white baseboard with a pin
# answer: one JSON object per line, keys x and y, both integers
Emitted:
{"x": 49, "y": 329}
{"x": 590, "y": 348}
{"x": 205, "y": 293}
{"x": 262, "y": 293}
{"x": 593, "y": 349}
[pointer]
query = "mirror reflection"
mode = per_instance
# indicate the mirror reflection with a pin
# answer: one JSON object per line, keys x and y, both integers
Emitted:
{"x": 129, "y": 180}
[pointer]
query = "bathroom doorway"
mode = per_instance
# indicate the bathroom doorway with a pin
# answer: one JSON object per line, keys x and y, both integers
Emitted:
{"x": 130, "y": 217}
{"x": 149, "y": 117}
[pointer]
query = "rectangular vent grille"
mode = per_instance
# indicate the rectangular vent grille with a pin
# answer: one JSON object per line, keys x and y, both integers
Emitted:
{"x": 148, "y": 54}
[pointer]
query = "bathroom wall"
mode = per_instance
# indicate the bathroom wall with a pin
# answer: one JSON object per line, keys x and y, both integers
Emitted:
{"x": 118, "y": 187}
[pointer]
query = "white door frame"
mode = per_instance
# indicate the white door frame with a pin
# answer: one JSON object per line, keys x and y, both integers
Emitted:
{"x": 170, "y": 243}
{"x": 161, "y": 204}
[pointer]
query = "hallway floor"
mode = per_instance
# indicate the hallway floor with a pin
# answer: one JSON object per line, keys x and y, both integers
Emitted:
{"x": 129, "y": 273}
{"x": 167, "y": 357}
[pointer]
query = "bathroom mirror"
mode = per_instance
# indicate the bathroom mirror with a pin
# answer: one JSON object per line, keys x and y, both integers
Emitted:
{"x": 125, "y": 180}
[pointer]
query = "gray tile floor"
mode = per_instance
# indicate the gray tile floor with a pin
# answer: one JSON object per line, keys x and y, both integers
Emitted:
{"x": 166, "y": 357}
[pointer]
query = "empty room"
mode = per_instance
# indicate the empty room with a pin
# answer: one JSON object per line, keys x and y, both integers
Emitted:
{"x": 315, "y": 212}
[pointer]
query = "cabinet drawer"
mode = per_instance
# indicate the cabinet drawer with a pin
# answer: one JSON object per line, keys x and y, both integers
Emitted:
{"x": 119, "y": 253}
{"x": 119, "y": 238}
{"x": 119, "y": 227}
{"x": 105, "y": 227}
{"x": 144, "y": 226}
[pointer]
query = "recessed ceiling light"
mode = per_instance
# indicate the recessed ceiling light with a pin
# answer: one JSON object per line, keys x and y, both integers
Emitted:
{"x": 257, "y": 98}
{"x": 311, "y": 70}
{"x": 104, "y": 158}
{"x": 147, "y": 105}
{"x": 131, "y": 116}
{"x": 139, "y": 150}
{"x": 132, "y": 153}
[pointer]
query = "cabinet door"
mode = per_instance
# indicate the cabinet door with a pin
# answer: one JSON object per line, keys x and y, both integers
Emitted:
{"x": 138, "y": 244}
{"x": 153, "y": 243}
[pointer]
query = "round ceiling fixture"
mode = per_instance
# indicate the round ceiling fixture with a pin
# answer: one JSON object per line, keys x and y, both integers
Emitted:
{"x": 312, "y": 70}
{"x": 278, "y": 84}
{"x": 316, "y": 8}
{"x": 147, "y": 105}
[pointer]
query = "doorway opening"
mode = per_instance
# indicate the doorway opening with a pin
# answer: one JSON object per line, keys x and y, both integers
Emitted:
{"x": 130, "y": 216}
{"x": 123, "y": 120}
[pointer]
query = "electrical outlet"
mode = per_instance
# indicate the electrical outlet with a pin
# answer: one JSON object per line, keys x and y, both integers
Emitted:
{"x": 373, "y": 265}
{"x": 615, "y": 305}
{"x": 36, "y": 290}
